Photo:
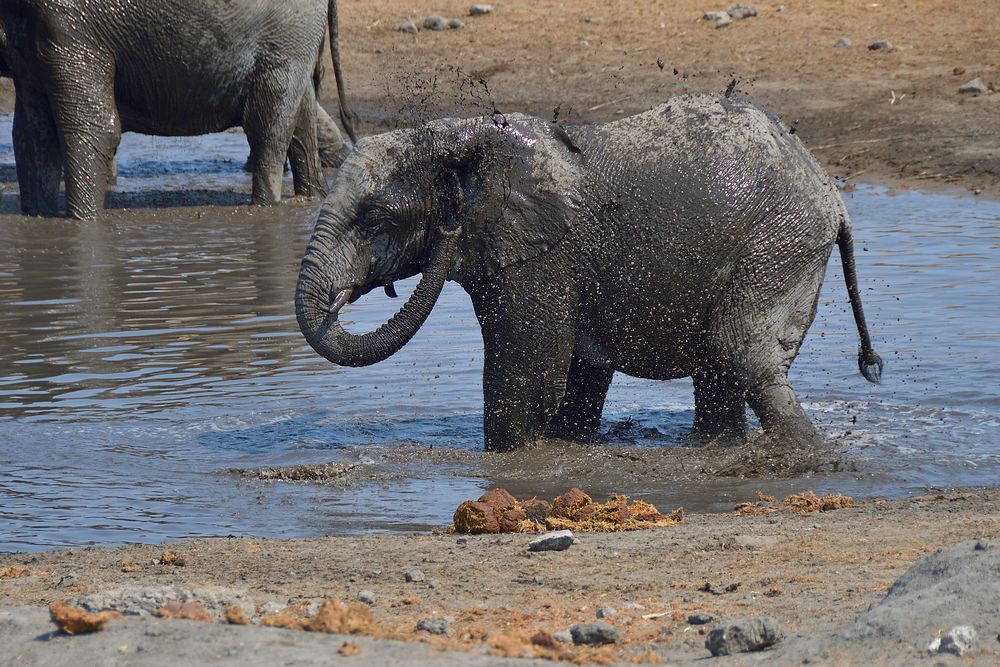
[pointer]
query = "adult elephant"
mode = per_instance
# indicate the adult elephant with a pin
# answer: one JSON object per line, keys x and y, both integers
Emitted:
{"x": 87, "y": 70}
{"x": 690, "y": 240}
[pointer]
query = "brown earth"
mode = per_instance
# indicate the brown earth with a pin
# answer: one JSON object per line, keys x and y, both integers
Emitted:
{"x": 812, "y": 572}
{"x": 892, "y": 114}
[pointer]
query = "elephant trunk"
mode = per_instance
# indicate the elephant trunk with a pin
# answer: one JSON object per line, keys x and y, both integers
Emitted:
{"x": 335, "y": 263}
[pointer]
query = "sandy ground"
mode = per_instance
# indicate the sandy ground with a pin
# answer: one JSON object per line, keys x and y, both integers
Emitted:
{"x": 887, "y": 115}
{"x": 813, "y": 573}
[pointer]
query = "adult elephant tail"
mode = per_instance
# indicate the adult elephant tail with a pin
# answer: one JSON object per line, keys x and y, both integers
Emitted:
{"x": 869, "y": 362}
{"x": 345, "y": 113}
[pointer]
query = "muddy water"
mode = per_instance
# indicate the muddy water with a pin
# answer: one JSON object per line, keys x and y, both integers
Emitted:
{"x": 144, "y": 356}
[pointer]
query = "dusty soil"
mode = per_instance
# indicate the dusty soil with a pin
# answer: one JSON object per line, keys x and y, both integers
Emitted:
{"x": 876, "y": 115}
{"x": 812, "y": 572}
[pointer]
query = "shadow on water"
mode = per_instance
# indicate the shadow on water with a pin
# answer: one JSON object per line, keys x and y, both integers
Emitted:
{"x": 145, "y": 356}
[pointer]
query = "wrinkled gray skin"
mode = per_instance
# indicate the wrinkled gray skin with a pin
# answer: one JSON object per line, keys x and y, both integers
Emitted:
{"x": 690, "y": 240}
{"x": 87, "y": 70}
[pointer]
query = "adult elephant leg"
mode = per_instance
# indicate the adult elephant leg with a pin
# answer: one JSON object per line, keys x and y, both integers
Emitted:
{"x": 719, "y": 406}
{"x": 579, "y": 413}
{"x": 90, "y": 131}
{"x": 269, "y": 119}
{"x": 303, "y": 152}
{"x": 36, "y": 153}
{"x": 528, "y": 344}
{"x": 332, "y": 148}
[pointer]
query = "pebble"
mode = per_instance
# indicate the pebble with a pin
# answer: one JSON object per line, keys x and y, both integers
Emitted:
{"x": 607, "y": 612}
{"x": 563, "y": 636}
{"x": 843, "y": 42}
{"x": 880, "y": 45}
{"x": 462, "y": 540}
{"x": 975, "y": 87}
{"x": 368, "y": 597}
{"x": 407, "y": 26}
{"x": 634, "y": 606}
{"x": 594, "y": 634}
{"x": 700, "y": 618}
{"x": 435, "y": 22}
{"x": 435, "y": 626}
{"x": 723, "y": 22}
{"x": 479, "y": 10}
{"x": 958, "y": 640}
{"x": 742, "y": 10}
{"x": 414, "y": 576}
{"x": 715, "y": 16}
{"x": 743, "y": 636}
{"x": 456, "y": 24}
{"x": 557, "y": 540}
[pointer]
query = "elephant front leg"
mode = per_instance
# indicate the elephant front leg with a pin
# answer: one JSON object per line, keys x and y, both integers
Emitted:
{"x": 528, "y": 345}
{"x": 303, "y": 153}
{"x": 36, "y": 153}
{"x": 579, "y": 413}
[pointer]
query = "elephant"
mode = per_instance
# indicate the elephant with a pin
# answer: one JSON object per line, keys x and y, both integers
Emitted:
{"x": 690, "y": 240}
{"x": 84, "y": 71}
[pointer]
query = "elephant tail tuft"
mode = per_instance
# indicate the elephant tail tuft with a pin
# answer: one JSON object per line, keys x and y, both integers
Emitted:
{"x": 869, "y": 363}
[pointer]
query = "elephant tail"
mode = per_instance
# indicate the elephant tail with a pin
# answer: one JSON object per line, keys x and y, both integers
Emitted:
{"x": 345, "y": 113}
{"x": 869, "y": 362}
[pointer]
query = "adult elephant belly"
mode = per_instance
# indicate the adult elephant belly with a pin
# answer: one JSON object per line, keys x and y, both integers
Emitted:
{"x": 650, "y": 329}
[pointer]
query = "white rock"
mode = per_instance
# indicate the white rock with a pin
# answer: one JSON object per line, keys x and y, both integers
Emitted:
{"x": 975, "y": 86}
{"x": 407, "y": 26}
{"x": 742, "y": 10}
{"x": 843, "y": 42}
{"x": 435, "y": 22}
{"x": 557, "y": 540}
{"x": 479, "y": 10}
{"x": 958, "y": 640}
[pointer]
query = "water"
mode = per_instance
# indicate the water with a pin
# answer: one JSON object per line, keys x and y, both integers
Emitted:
{"x": 143, "y": 356}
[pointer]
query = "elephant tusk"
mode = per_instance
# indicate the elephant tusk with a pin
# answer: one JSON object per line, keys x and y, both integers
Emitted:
{"x": 342, "y": 298}
{"x": 390, "y": 291}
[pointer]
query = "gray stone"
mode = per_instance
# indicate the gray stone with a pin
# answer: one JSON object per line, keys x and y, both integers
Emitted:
{"x": 414, "y": 576}
{"x": 462, "y": 540}
{"x": 742, "y": 10}
{"x": 563, "y": 636}
{"x": 407, "y": 26}
{"x": 145, "y": 600}
{"x": 479, "y": 10}
{"x": 634, "y": 606}
{"x": 880, "y": 45}
{"x": 557, "y": 540}
{"x": 435, "y": 22}
{"x": 700, "y": 618}
{"x": 843, "y": 43}
{"x": 975, "y": 87}
{"x": 607, "y": 612}
{"x": 723, "y": 22}
{"x": 456, "y": 24}
{"x": 435, "y": 626}
{"x": 743, "y": 636}
{"x": 715, "y": 16}
{"x": 958, "y": 640}
{"x": 66, "y": 581}
{"x": 368, "y": 597}
{"x": 594, "y": 634}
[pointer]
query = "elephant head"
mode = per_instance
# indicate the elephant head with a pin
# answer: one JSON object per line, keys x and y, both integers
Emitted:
{"x": 459, "y": 199}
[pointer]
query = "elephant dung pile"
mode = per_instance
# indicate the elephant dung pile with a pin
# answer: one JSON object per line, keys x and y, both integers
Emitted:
{"x": 497, "y": 511}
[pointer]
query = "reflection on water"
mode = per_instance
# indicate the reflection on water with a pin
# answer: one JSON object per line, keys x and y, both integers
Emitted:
{"x": 142, "y": 356}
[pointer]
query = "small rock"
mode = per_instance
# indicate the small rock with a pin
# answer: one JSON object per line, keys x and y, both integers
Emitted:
{"x": 753, "y": 634}
{"x": 435, "y": 626}
{"x": 407, "y": 26}
{"x": 607, "y": 612}
{"x": 433, "y": 583}
{"x": 66, "y": 581}
{"x": 538, "y": 581}
{"x": 843, "y": 43}
{"x": 700, "y": 618}
{"x": 368, "y": 597}
{"x": 594, "y": 634}
{"x": 958, "y": 640}
{"x": 780, "y": 9}
{"x": 272, "y": 607}
{"x": 557, "y": 540}
{"x": 564, "y": 636}
{"x": 634, "y": 606}
{"x": 479, "y": 10}
{"x": 456, "y": 24}
{"x": 975, "y": 87}
{"x": 880, "y": 45}
{"x": 714, "y": 16}
{"x": 462, "y": 540}
{"x": 742, "y": 10}
{"x": 414, "y": 576}
{"x": 435, "y": 22}
{"x": 723, "y": 22}
{"x": 958, "y": 71}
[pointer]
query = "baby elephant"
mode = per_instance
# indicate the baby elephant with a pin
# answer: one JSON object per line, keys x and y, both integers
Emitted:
{"x": 689, "y": 240}
{"x": 87, "y": 70}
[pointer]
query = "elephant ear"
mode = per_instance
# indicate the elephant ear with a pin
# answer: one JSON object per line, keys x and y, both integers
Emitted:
{"x": 521, "y": 180}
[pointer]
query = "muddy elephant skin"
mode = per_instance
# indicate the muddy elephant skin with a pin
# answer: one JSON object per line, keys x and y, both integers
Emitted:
{"x": 690, "y": 240}
{"x": 86, "y": 70}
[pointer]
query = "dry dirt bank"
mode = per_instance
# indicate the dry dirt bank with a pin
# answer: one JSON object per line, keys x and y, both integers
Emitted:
{"x": 813, "y": 573}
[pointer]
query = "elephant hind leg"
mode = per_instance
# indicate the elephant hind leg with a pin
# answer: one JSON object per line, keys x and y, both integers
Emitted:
{"x": 36, "y": 153}
{"x": 756, "y": 334}
{"x": 719, "y": 406}
{"x": 579, "y": 414}
{"x": 303, "y": 152}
